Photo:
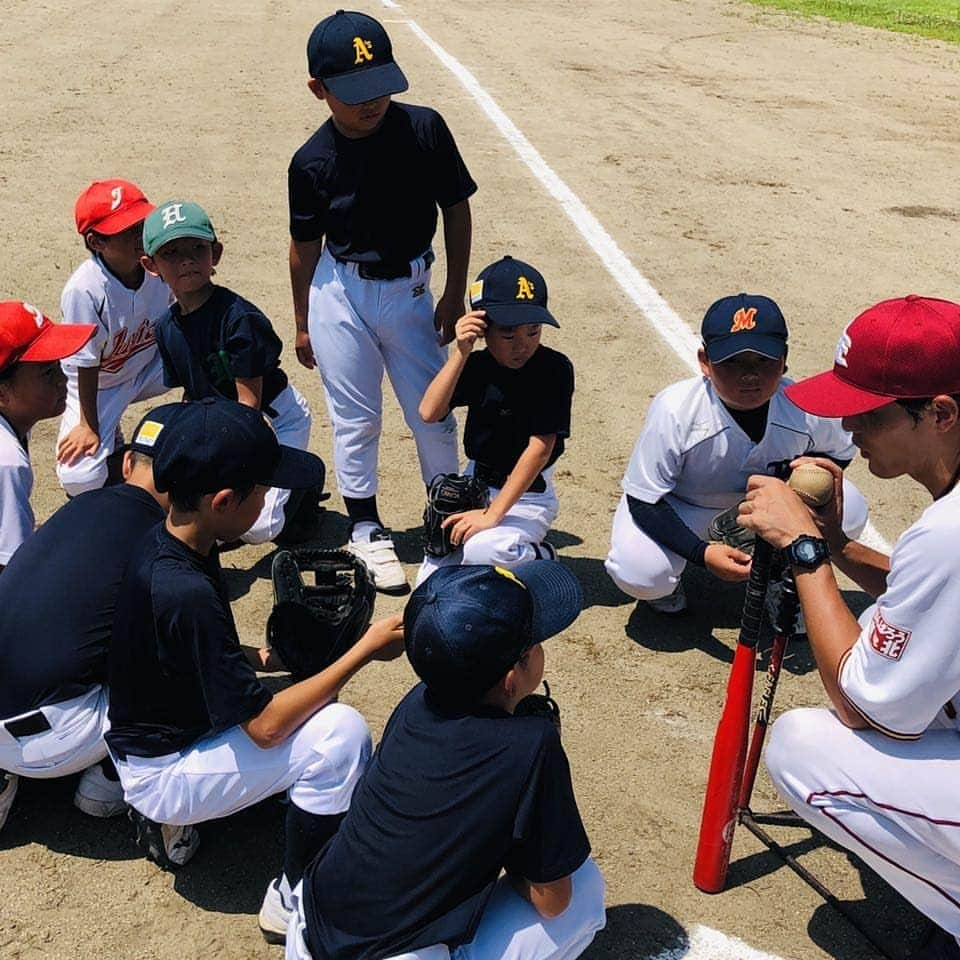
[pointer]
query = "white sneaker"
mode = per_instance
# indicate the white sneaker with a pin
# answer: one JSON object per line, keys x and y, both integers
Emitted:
{"x": 378, "y": 553}
{"x": 166, "y": 845}
{"x": 8, "y": 790}
{"x": 675, "y": 602}
{"x": 97, "y": 795}
{"x": 274, "y": 915}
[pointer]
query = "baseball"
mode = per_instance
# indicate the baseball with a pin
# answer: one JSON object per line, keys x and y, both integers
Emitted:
{"x": 813, "y": 484}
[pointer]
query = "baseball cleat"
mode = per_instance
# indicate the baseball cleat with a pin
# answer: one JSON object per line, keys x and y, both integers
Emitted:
{"x": 167, "y": 846}
{"x": 274, "y": 915}
{"x": 675, "y": 602}
{"x": 380, "y": 556}
{"x": 97, "y": 795}
{"x": 8, "y": 790}
{"x": 545, "y": 551}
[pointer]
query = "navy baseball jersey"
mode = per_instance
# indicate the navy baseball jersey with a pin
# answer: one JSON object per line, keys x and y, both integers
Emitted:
{"x": 450, "y": 798}
{"x": 227, "y": 338}
{"x": 177, "y": 673}
{"x": 59, "y": 592}
{"x": 376, "y": 198}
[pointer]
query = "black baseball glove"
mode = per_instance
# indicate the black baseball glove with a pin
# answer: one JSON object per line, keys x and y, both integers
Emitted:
{"x": 449, "y": 493}
{"x": 311, "y": 625}
{"x": 725, "y": 529}
{"x": 539, "y": 705}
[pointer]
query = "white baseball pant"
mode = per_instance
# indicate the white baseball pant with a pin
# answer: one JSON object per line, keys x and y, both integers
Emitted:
{"x": 515, "y": 539}
{"x": 357, "y": 328}
{"x": 892, "y": 802}
{"x": 319, "y": 764}
{"x": 73, "y": 742}
{"x": 510, "y": 929}
{"x": 646, "y": 570}
{"x": 292, "y": 425}
{"x": 90, "y": 473}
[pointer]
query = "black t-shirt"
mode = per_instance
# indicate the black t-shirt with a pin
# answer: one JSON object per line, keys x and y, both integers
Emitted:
{"x": 58, "y": 593}
{"x": 505, "y": 407}
{"x": 208, "y": 349}
{"x": 375, "y": 198}
{"x": 449, "y": 799}
{"x": 177, "y": 672}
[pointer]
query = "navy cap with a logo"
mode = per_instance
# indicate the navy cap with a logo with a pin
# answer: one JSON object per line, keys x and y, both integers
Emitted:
{"x": 466, "y": 626}
{"x": 741, "y": 323}
{"x": 351, "y": 53}
{"x": 149, "y": 435}
{"x": 512, "y": 293}
{"x": 216, "y": 444}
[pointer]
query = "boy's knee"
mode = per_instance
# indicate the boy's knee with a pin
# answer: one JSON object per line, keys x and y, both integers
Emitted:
{"x": 82, "y": 477}
{"x": 492, "y": 547}
{"x": 795, "y": 745}
{"x": 637, "y": 582}
{"x": 589, "y": 894}
{"x": 344, "y": 737}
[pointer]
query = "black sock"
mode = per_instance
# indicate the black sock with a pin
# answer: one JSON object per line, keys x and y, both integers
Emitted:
{"x": 109, "y": 770}
{"x": 304, "y": 836}
{"x": 360, "y": 509}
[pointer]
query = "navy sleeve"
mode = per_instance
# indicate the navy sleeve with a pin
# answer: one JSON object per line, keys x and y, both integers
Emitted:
{"x": 553, "y": 400}
{"x": 251, "y": 343}
{"x": 308, "y": 200}
{"x": 451, "y": 179}
{"x": 170, "y": 376}
{"x": 662, "y": 523}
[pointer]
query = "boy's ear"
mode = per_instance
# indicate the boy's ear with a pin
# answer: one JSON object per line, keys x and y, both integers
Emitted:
{"x": 222, "y": 500}
{"x": 93, "y": 240}
{"x": 704, "y": 362}
{"x": 217, "y": 251}
{"x": 148, "y": 264}
{"x": 317, "y": 88}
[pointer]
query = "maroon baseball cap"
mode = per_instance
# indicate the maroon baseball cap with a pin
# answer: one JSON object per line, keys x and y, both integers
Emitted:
{"x": 110, "y": 206}
{"x": 902, "y": 349}
{"x": 26, "y": 334}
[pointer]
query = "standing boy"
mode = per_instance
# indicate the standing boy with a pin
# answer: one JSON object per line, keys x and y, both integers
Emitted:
{"x": 364, "y": 192}
{"x": 459, "y": 790}
{"x": 32, "y": 388}
{"x": 518, "y": 395}
{"x": 215, "y": 343}
{"x": 702, "y": 439}
{"x": 120, "y": 364}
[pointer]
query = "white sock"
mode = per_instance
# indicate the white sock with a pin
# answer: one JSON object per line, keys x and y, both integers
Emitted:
{"x": 362, "y": 529}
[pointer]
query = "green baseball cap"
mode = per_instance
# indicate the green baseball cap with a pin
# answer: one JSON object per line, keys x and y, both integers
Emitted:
{"x": 173, "y": 219}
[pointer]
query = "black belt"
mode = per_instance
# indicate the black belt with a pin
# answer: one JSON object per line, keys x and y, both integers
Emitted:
{"x": 497, "y": 478}
{"x": 390, "y": 269}
{"x": 28, "y": 725}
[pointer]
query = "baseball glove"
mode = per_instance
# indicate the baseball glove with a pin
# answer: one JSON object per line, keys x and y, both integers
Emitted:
{"x": 447, "y": 494}
{"x": 539, "y": 705}
{"x": 725, "y": 529}
{"x": 311, "y": 625}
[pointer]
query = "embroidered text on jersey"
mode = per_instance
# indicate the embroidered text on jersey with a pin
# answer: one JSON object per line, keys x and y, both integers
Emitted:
{"x": 363, "y": 49}
{"x": 126, "y": 344}
{"x": 744, "y": 320}
{"x": 889, "y": 641}
{"x": 524, "y": 289}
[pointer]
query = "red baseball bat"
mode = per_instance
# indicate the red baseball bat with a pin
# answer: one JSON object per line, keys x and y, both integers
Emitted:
{"x": 730, "y": 742}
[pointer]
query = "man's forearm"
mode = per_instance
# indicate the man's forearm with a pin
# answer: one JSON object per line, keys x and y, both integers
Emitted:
{"x": 457, "y": 232}
{"x": 866, "y": 567}
{"x": 304, "y": 257}
{"x": 88, "y": 384}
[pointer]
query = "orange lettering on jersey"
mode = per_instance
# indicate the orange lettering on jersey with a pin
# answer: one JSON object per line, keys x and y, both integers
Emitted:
{"x": 363, "y": 49}
{"x": 889, "y": 641}
{"x": 744, "y": 320}
{"x": 524, "y": 289}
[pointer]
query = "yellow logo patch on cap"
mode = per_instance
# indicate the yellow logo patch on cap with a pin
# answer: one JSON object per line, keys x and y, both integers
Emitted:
{"x": 148, "y": 433}
{"x": 510, "y": 576}
{"x": 363, "y": 49}
{"x": 476, "y": 292}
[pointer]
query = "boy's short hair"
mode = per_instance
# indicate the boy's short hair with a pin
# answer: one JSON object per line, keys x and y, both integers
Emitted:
{"x": 174, "y": 219}
{"x": 466, "y": 626}
{"x": 29, "y": 336}
{"x": 512, "y": 293}
{"x": 108, "y": 207}
{"x": 746, "y": 322}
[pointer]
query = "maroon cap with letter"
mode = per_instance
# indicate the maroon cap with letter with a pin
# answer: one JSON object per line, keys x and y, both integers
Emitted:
{"x": 902, "y": 349}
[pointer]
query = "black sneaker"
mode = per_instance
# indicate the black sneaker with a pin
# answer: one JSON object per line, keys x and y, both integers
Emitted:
{"x": 167, "y": 846}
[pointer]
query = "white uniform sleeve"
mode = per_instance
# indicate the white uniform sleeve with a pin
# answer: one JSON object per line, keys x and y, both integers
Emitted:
{"x": 78, "y": 306}
{"x": 906, "y": 663}
{"x": 656, "y": 461}
{"x": 830, "y": 438}
{"x": 16, "y": 515}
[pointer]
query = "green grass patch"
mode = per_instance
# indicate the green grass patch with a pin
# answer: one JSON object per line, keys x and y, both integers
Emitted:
{"x": 928, "y": 18}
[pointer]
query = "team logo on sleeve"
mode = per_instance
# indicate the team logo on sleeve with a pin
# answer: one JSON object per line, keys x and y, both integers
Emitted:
{"x": 363, "y": 49}
{"x": 524, "y": 289}
{"x": 744, "y": 320}
{"x": 889, "y": 641}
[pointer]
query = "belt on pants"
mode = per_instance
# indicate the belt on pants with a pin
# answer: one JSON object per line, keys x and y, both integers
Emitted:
{"x": 497, "y": 478}
{"x": 27, "y": 725}
{"x": 390, "y": 269}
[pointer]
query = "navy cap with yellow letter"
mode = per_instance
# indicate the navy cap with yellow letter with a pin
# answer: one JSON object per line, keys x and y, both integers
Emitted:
{"x": 512, "y": 293}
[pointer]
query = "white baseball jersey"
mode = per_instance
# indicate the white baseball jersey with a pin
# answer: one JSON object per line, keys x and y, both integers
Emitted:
{"x": 124, "y": 342}
{"x": 692, "y": 448}
{"x": 905, "y": 666}
{"x": 16, "y": 485}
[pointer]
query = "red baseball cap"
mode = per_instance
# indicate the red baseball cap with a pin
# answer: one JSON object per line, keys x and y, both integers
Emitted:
{"x": 110, "y": 206}
{"x": 26, "y": 334}
{"x": 902, "y": 349}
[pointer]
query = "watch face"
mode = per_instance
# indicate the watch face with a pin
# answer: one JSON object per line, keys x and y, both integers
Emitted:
{"x": 806, "y": 551}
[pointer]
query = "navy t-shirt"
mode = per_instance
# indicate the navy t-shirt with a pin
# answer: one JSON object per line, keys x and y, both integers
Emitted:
{"x": 208, "y": 349}
{"x": 177, "y": 673}
{"x": 449, "y": 799}
{"x": 58, "y": 593}
{"x": 506, "y": 407}
{"x": 375, "y": 198}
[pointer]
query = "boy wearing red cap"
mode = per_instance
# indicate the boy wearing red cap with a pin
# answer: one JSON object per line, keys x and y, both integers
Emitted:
{"x": 120, "y": 364}
{"x": 886, "y": 787}
{"x": 32, "y": 388}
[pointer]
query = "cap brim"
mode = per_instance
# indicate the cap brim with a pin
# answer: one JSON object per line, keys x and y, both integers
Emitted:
{"x": 123, "y": 219}
{"x": 367, "y": 83}
{"x": 727, "y": 347}
{"x": 295, "y": 470}
{"x": 176, "y": 233}
{"x": 58, "y": 341}
{"x": 826, "y": 395}
{"x": 517, "y": 314}
{"x": 556, "y": 593}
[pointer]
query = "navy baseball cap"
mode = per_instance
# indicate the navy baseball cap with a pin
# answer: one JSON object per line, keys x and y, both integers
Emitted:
{"x": 216, "y": 444}
{"x": 744, "y": 322}
{"x": 149, "y": 433}
{"x": 466, "y": 626}
{"x": 512, "y": 293}
{"x": 351, "y": 53}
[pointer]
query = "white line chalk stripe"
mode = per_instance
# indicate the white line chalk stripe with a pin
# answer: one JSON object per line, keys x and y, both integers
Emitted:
{"x": 661, "y": 316}
{"x": 704, "y": 943}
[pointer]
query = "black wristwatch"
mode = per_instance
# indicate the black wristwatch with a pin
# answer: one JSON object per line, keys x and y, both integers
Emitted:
{"x": 807, "y": 553}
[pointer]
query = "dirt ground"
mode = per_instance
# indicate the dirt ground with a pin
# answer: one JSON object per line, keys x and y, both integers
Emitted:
{"x": 724, "y": 149}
